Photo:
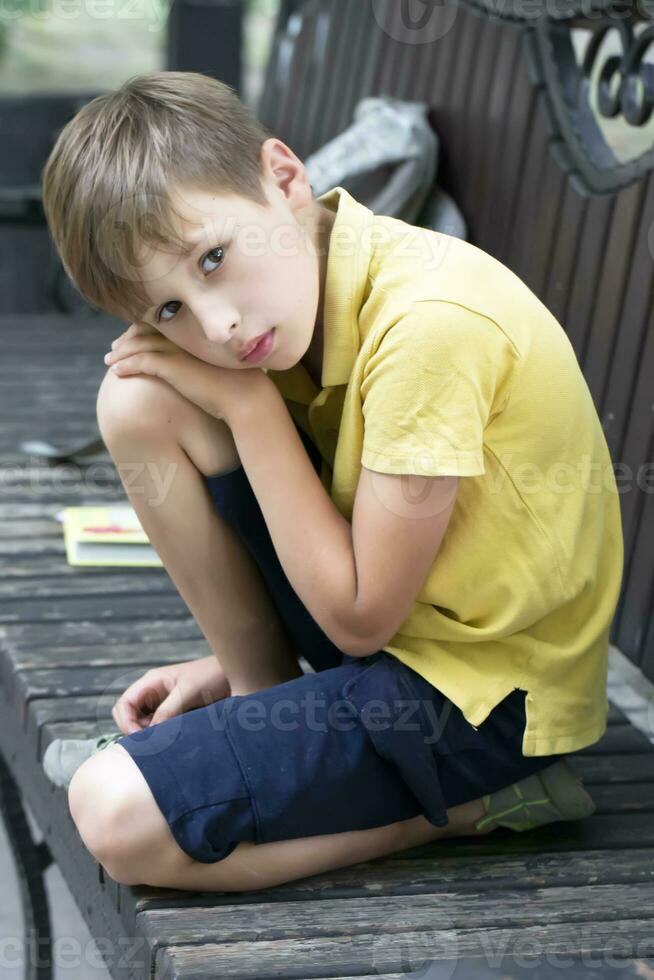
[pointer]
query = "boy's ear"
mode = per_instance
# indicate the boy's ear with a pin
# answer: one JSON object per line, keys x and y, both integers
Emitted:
{"x": 284, "y": 172}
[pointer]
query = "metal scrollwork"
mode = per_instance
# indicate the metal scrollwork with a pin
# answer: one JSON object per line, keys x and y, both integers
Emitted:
{"x": 599, "y": 92}
{"x": 594, "y": 62}
{"x": 633, "y": 95}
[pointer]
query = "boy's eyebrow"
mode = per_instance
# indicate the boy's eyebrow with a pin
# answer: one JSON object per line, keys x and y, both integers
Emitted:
{"x": 195, "y": 239}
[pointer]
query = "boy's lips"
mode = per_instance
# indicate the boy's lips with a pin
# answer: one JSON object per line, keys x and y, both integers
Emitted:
{"x": 248, "y": 348}
{"x": 244, "y": 351}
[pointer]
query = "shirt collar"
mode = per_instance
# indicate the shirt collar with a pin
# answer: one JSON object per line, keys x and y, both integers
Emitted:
{"x": 348, "y": 262}
{"x": 347, "y": 274}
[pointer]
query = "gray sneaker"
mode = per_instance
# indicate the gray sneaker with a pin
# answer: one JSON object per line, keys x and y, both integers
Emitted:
{"x": 64, "y": 756}
{"x": 554, "y": 793}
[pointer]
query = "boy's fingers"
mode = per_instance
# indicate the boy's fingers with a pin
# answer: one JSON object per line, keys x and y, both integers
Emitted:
{"x": 138, "y": 345}
{"x": 166, "y": 710}
{"x": 124, "y": 719}
{"x": 127, "y": 713}
{"x": 136, "y": 329}
{"x": 139, "y": 701}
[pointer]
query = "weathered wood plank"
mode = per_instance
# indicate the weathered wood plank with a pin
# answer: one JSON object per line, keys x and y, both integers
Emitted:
{"x": 397, "y": 946}
{"x": 71, "y": 493}
{"x": 22, "y": 566}
{"x": 400, "y": 874}
{"x": 113, "y": 584}
{"x": 619, "y": 739}
{"x": 9, "y": 530}
{"x": 482, "y": 112}
{"x": 563, "y": 270}
{"x": 38, "y": 508}
{"x": 26, "y": 636}
{"x": 98, "y": 655}
{"x": 49, "y": 483}
{"x": 167, "y": 605}
{"x": 613, "y": 769}
{"x": 490, "y": 185}
{"x": 38, "y": 547}
{"x": 27, "y": 510}
{"x": 610, "y": 294}
{"x": 374, "y": 915}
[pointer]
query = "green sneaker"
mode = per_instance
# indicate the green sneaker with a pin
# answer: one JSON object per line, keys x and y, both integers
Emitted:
{"x": 554, "y": 793}
{"x": 64, "y": 756}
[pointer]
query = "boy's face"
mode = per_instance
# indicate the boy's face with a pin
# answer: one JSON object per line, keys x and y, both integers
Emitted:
{"x": 252, "y": 269}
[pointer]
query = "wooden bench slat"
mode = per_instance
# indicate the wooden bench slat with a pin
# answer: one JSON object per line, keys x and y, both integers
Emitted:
{"x": 522, "y": 240}
{"x": 578, "y": 317}
{"x": 523, "y": 107}
{"x": 619, "y": 739}
{"x": 401, "y": 874}
{"x": 103, "y": 655}
{"x": 27, "y": 636}
{"x": 46, "y": 566}
{"x": 562, "y": 272}
{"x": 373, "y": 914}
{"x": 389, "y": 951}
{"x": 164, "y": 605}
{"x": 481, "y": 113}
{"x": 625, "y": 218}
{"x": 498, "y": 142}
{"x": 113, "y": 585}
{"x": 617, "y": 769}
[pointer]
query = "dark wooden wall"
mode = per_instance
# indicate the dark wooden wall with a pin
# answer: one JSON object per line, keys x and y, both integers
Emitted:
{"x": 586, "y": 255}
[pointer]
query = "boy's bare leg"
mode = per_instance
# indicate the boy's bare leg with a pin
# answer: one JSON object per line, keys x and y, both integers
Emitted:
{"x": 149, "y": 855}
{"x": 162, "y": 445}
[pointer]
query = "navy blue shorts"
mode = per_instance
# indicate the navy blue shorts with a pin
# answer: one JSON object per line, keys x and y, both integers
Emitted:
{"x": 359, "y": 742}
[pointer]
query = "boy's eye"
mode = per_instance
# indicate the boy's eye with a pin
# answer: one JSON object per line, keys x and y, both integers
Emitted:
{"x": 172, "y": 302}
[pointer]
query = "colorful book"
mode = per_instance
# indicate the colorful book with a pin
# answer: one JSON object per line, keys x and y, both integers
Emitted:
{"x": 109, "y": 535}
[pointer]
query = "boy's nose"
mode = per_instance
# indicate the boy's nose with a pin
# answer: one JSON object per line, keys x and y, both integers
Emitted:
{"x": 221, "y": 329}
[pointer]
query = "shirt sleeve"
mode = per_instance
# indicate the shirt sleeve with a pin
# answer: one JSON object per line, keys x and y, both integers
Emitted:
{"x": 434, "y": 381}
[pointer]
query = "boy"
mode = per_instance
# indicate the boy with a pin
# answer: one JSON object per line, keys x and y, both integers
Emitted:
{"x": 334, "y": 391}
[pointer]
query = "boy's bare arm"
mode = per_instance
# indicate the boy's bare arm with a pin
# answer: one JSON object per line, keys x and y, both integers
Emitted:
{"x": 360, "y": 580}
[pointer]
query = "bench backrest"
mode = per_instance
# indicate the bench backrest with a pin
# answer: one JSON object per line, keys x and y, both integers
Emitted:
{"x": 558, "y": 190}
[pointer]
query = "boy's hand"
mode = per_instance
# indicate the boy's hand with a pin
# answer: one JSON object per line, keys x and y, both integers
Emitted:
{"x": 216, "y": 390}
{"x": 163, "y": 692}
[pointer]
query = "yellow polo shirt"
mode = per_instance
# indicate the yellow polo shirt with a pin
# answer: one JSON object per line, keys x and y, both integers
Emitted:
{"x": 439, "y": 360}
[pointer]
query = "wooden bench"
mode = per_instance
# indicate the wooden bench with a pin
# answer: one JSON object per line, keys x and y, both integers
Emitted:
{"x": 71, "y": 640}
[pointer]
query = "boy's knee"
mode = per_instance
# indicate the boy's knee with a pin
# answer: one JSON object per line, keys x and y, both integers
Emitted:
{"x": 104, "y": 798}
{"x": 138, "y": 411}
{"x": 131, "y": 405}
{"x": 118, "y": 819}
{"x": 95, "y": 811}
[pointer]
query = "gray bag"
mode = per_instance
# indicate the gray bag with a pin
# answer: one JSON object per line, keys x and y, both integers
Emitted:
{"x": 387, "y": 159}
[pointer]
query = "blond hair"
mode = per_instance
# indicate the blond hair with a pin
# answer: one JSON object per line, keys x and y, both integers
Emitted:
{"x": 106, "y": 184}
